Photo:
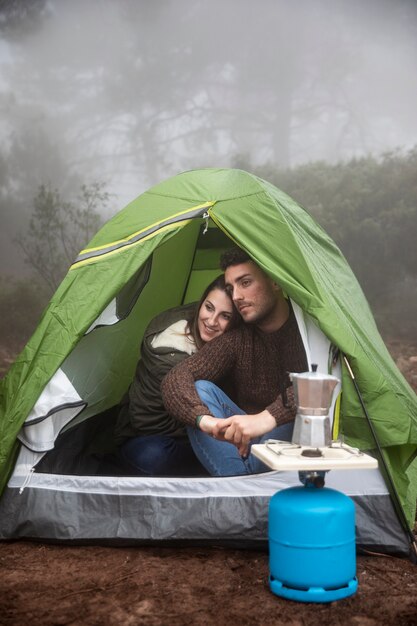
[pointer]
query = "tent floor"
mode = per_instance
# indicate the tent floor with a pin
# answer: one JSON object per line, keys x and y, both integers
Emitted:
{"x": 87, "y": 450}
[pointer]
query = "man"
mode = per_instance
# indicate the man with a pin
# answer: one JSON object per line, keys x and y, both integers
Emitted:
{"x": 254, "y": 360}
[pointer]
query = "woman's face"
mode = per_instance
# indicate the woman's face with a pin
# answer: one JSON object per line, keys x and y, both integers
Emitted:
{"x": 214, "y": 315}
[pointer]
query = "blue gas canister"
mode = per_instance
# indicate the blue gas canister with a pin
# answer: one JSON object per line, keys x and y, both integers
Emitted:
{"x": 312, "y": 553}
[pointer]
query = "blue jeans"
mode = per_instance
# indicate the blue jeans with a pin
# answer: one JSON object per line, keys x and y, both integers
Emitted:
{"x": 160, "y": 455}
{"x": 219, "y": 457}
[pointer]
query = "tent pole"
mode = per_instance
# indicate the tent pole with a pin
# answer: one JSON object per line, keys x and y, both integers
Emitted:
{"x": 393, "y": 489}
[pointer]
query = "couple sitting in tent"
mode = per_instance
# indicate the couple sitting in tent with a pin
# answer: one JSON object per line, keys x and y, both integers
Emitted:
{"x": 240, "y": 342}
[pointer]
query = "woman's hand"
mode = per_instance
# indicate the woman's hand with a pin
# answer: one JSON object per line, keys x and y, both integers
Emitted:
{"x": 208, "y": 423}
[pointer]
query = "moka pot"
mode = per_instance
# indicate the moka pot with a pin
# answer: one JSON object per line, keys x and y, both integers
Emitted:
{"x": 313, "y": 394}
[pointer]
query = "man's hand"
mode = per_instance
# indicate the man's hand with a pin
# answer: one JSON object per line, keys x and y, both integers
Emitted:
{"x": 241, "y": 429}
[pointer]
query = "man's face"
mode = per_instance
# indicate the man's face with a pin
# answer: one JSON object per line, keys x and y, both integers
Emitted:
{"x": 254, "y": 294}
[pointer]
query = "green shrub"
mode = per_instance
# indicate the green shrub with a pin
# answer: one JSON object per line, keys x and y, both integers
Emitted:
{"x": 369, "y": 207}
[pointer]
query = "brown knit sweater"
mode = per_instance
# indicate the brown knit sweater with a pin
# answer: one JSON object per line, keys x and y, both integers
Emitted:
{"x": 256, "y": 363}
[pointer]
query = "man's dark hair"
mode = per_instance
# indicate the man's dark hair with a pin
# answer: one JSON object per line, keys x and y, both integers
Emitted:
{"x": 233, "y": 256}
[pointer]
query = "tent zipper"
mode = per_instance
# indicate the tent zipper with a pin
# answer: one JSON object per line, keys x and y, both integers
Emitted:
{"x": 27, "y": 480}
{"x": 206, "y": 217}
{"x": 88, "y": 255}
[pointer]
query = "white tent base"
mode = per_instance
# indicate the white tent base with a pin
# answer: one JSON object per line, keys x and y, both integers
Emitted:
{"x": 140, "y": 510}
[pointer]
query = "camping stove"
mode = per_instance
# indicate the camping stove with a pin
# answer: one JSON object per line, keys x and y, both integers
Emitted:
{"x": 312, "y": 551}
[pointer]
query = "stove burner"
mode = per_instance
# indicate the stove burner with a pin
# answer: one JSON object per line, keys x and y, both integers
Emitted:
{"x": 312, "y": 452}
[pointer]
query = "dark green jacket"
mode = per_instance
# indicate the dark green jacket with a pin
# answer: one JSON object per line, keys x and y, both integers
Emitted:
{"x": 142, "y": 411}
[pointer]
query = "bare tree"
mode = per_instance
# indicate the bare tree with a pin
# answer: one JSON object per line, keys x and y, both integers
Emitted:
{"x": 192, "y": 83}
{"x": 58, "y": 229}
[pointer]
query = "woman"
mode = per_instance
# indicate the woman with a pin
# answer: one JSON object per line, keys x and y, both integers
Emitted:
{"x": 151, "y": 442}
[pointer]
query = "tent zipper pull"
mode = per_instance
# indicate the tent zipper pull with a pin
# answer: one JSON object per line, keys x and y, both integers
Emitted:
{"x": 206, "y": 217}
{"x": 27, "y": 480}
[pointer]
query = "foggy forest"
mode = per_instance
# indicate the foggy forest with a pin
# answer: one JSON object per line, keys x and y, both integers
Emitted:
{"x": 100, "y": 100}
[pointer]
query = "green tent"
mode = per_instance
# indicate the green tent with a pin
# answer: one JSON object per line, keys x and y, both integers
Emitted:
{"x": 160, "y": 251}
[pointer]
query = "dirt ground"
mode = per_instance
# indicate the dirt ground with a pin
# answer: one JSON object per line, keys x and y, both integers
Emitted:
{"x": 49, "y": 584}
{"x": 45, "y": 584}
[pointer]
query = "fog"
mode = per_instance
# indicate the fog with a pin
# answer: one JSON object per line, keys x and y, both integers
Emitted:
{"x": 132, "y": 92}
